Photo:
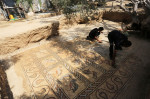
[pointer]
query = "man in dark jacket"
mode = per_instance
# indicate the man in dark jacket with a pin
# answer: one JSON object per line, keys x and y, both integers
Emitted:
{"x": 94, "y": 34}
{"x": 119, "y": 39}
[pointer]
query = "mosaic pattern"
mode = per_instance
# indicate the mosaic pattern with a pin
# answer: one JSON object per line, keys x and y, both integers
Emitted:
{"x": 66, "y": 71}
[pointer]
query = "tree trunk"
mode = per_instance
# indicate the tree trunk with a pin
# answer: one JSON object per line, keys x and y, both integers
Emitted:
{"x": 135, "y": 7}
{"x": 121, "y": 3}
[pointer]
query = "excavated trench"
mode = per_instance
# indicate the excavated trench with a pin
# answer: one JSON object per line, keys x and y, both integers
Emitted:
{"x": 13, "y": 43}
{"x": 29, "y": 36}
{"x": 91, "y": 76}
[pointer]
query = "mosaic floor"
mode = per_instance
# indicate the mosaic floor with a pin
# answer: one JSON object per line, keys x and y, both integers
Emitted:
{"x": 73, "y": 70}
{"x": 70, "y": 67}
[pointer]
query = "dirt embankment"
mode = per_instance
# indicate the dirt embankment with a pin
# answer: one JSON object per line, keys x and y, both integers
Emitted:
{"x": 11, "y": 44}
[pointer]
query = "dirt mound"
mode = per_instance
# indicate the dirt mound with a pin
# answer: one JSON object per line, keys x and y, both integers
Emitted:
{"x": 117, "y": 16}
{"x": 99, "y": 16}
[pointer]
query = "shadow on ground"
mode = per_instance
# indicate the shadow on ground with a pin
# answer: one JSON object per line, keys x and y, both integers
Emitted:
{"x": 82, "y": 48}
{"x": 5, "y": 64}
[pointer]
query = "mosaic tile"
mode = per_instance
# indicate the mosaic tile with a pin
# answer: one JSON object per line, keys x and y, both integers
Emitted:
{"x": 49, "y": 61}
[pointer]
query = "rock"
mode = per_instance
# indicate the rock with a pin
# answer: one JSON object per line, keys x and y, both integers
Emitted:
{"x": 29, "y": 15}
{"x": 2, "y": 17}
{"x": 146, "y": 21}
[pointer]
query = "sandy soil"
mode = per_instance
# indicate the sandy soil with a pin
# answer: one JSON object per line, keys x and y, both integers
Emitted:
{"x": 69, "y": 33}
{"x": 13, "y": 28}
{"x": 137, "y": 88}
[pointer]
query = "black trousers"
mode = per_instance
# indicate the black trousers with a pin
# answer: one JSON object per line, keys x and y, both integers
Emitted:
{"x": 112, "y": 42}
{"x": 89, "y": 38}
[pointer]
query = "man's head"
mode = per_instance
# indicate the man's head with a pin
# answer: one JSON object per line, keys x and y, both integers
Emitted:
{"x": 126, "y": 43}
{"x": 100, "y": 28}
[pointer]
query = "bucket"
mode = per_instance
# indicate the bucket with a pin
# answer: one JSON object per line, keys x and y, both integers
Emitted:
{"x": 11, "y": 17}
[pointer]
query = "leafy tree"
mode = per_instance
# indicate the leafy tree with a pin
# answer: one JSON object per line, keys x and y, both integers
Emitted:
{"x": 71, "y": 7}
{"x": 21, "y": 1}
{"x": 144, "y": 23}
{"x": 29, "y": 2}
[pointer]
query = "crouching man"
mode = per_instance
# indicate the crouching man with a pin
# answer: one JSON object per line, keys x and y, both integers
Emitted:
{"x": 94, "y": 34}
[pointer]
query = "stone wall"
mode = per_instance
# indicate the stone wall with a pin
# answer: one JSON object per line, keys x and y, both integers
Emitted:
{"x": 11, "y": 44}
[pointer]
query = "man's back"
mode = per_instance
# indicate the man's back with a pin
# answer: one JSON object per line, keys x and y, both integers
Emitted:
{"x": 94, "y": 33}
{"x": 117, "y": 36}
